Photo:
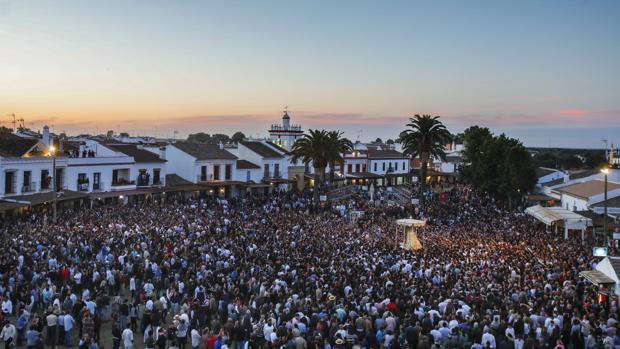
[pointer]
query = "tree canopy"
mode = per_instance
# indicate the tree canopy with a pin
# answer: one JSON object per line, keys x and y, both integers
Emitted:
{"x": 425, "y": 137}
{"x": 497, "y": 165}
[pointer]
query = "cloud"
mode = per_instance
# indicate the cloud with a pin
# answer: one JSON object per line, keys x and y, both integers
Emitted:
{"x": 560, "y": 118}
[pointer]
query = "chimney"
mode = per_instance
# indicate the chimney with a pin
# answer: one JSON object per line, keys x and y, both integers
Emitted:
{"x": 221, "y": 145}
{"x": 46, "y": 136}
{"x": 162, "y": 152}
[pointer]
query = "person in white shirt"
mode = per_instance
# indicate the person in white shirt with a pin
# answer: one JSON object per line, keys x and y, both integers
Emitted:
{"x": 69, "y": 323}
{"x": 8, "y": 334}
{"x": 127, "y": 337}
{"x": 488, "y": 338}
{"x": 195, "y": 338}
{"x": 7, "y": 307}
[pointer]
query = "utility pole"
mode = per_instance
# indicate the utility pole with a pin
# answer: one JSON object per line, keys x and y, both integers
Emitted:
{"x": 54, "y": 193}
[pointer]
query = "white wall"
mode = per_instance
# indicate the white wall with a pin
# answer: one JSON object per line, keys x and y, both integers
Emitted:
{"x": 552, "y": 176}
{"x": 182, "y": 164}
{"x": 34, "y": 165}
{"x": 573, "y": 203}
{"x": 403, "y": 165}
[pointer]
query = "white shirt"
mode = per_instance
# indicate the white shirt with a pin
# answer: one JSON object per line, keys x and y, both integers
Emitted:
{"x": 195, "y": 338}
{"x": 68, "y": 321}
{"x": 127, "y": 337}
{"x": 487, "y": 337}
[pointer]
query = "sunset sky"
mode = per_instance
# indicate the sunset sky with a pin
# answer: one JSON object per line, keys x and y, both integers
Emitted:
{"x": 547, "y": 72}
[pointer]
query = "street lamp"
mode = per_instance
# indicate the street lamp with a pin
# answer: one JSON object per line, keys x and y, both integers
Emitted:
{"x": 605, "y": 171}
{"x": 54, "y": 198}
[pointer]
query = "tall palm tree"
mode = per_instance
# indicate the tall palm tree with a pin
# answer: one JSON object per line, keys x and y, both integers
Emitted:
{"x": 425, "y": 137}
{"x": 312, "y": 149}
{"x": 338, "y": 147}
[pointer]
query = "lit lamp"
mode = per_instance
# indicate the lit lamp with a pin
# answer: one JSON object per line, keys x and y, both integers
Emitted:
{"x": 605, "y": 171}
{"x": 54, "y": 194}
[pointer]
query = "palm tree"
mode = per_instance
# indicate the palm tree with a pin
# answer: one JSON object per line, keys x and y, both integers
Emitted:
{"x": 336, "y": 151}
{"x": 312, "y": 149}
{"x": 425, "y": 138}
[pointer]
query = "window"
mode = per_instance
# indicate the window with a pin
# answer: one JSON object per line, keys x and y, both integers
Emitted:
{"x": 357, "y": 167}
{"x": 82, "y": 182}
{"x": 97, "y": 181}
{"x": 216, "y": 172}
{"x": 227, "y": 172}
{"x": 276, "y": 170}
{"x": 203, "y": 173}
{"x": 27, "y": 179}
{"x": 363, "y": 167}
{"x": 375, "y": 167}
{"x": 9, "y": 182}
{"x": 349, "y": 168}
{"x": 395, "y": 166}
{"x": 156, "y": 176}
{"x": 45, "y": 179}
{"x": 266, "y": 174}
{"x": 383, "y": 166}
{"x": 404, "y": 166}
{"x": 248, "y": 176}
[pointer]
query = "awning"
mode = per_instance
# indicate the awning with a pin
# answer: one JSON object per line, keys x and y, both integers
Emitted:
{"x": 597, "y": 277}
{"x": 215, "y": 184}
{"x": 10, "y": 205}
{"x": 276, "y": 180}
{"x": 363, "y": 175}
{"x": 117, "y": 193}
{"x": 42, "y": 198}
{"x": 539, "y": 197}
{"x": 551, "y": 215}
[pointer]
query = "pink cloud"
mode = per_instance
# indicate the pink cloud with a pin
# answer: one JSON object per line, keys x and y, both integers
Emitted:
{"x": 573, "y": 112}
{"x": 561, "y": 118}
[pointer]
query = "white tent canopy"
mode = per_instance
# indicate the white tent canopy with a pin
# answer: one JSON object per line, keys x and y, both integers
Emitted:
{"x": 556, "y": 215}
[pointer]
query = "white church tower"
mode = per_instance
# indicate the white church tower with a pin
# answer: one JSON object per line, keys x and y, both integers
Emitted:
{"x": 285, "y": 134}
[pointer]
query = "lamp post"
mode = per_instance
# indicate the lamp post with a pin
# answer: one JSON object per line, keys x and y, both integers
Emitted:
{"x": 54, "y": 197}
{"x": 605, "y": 171}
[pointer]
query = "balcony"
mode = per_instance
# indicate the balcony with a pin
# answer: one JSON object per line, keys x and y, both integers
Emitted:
{"x": 83, "y": 185}
{"x": 143, "y": 180}
{"x": 98, "y": 186}
{"x": 204, "y": 178}
{"x": 29, "y": 188}
{"x": 123, "y": 184}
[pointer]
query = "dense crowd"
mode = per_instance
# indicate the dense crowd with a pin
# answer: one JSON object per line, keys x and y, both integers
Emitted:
{"x": 277, "y": 272}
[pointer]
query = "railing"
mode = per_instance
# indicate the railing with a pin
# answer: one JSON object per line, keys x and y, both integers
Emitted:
{"x": 122, "y": 182}
{"x": 82, "y": 185}
{"x": 143, "y": 182}
{"x": 98, "y": 186}
{"x": 30, "y": 187}
{"x": 201, "y": 178}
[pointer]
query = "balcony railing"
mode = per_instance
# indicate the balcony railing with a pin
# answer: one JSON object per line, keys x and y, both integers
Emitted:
{"x": 30, "y": 187}
{"x": 157, "y": 182}
{"x": 122, "y": 182}
{"x": 201, "y": 178}
{"x": 98, "y": 186}
{"x": 82, "y": 185}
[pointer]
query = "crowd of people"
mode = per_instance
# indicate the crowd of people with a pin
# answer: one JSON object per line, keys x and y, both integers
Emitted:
{"x": 279, "y": 272}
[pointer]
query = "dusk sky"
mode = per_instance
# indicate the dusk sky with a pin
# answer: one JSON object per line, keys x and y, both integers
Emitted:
{"x": 547, "y": 72}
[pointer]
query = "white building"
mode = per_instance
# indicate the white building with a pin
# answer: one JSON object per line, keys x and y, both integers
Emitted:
{"x": 580, "y": 196}
{"x": 26, "y": 166}
{"x": 207, "y": 164}
{"x": 273, "y": 163}
{"x": 285, "y": 134}
{"x": 378, "y": 162}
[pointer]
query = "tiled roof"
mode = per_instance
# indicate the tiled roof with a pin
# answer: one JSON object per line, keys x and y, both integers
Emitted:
{"x": 384, "y": 154}
{"x": 246, "y": 165}
{"x": 279, "y": 148}
{"x": 262, "y": 150}
{"x": 139, "y": 155}
{"x": 589, "y": 188}
{"x": 15, "y": 146}
{"x": 202, "y": 151}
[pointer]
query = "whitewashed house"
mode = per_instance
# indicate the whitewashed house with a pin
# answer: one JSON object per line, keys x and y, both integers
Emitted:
{"x": 274, "y": 164}
{"x": 26, "y": 166}
{"x": 580, "y": 196}
{"x": 208, "y": 164}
